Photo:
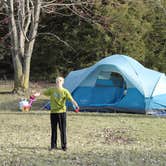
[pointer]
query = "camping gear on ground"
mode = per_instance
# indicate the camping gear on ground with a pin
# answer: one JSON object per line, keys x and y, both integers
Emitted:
{"x": 46, "y": 106}
{"x": 118, "y": 83}
{"x": 25, "y": 105}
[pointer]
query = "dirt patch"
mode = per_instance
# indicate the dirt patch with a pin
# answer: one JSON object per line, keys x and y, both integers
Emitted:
{"x": 121, "y": 136}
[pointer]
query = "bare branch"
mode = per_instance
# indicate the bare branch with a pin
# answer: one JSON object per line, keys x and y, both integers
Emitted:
{"x": 62, "y": 14}
{"x": 27, "y": 18}
{"x": 13, "y": 27}
{"x": 66, "y": 4}
{"x": 6, "y": 36}
{"x": 53, "y": 1}
{"x": 32, "y": 13}
{"x": 36, "y": 18}
{"x": 79, "y": 14}
{"x": 4, "y": 14}
{"x": 57, "y": 37}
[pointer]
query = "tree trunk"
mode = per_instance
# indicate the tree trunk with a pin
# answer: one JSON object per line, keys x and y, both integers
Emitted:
{"x": 23, "y": 26}
{"x": 26, "y": 73}
{"x": 26, "y": 65}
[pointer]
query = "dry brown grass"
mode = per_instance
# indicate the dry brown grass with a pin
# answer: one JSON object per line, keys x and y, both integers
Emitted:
{"x": 93, "y": 139}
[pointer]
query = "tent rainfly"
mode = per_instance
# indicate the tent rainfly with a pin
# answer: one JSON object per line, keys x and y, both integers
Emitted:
{"x": 118, "y": 82}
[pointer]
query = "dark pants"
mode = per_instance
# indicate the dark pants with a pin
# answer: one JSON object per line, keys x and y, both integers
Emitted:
{"x": 60, "y": 120}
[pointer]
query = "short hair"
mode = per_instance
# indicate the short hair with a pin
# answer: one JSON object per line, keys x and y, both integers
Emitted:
{"x": 59, "y": 79}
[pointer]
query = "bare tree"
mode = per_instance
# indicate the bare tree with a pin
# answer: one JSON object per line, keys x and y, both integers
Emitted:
{"x": 23, "y": 19}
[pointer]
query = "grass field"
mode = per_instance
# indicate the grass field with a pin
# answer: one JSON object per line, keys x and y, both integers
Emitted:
{"x": 94, "y": 139}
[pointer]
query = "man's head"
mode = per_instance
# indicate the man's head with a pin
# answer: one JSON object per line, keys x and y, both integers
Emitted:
{"x": 59, "y": 81}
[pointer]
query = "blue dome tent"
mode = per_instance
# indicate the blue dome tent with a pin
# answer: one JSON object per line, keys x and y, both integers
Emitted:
{"x": 120, "y": 83}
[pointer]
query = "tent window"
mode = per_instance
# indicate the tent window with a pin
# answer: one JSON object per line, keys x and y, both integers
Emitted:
{"x": 113, "y": 79}
{"x": 104, "y": 75}
{"x": 117, "y": 79}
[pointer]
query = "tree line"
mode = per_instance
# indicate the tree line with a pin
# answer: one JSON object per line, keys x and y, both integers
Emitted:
{"x": 74, "y": 37}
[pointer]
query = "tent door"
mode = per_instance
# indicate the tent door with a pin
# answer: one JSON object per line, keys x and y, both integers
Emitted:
{"x": 109, "y": 88}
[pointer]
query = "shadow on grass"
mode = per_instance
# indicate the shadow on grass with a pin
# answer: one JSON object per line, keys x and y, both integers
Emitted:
{"x": 6, "y": 92}
{"x": 115, "y": 115}
{"x": 38, "y": 148}
{"x": 9, "y": 105}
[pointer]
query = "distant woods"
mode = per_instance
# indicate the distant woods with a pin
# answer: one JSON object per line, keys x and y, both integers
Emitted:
{"x": 67, "y": 42}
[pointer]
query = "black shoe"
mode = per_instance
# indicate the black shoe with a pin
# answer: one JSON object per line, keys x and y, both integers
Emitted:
{"x": 64, "y": 149}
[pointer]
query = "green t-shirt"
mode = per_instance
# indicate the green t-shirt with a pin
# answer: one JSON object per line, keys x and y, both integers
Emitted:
{"x": 58, "y": 97}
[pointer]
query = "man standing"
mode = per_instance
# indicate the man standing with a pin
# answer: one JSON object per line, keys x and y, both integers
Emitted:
{"x": 58, "y": 97}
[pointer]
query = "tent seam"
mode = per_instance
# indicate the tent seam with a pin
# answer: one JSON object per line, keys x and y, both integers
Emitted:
{"x": 135, "y": 73}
